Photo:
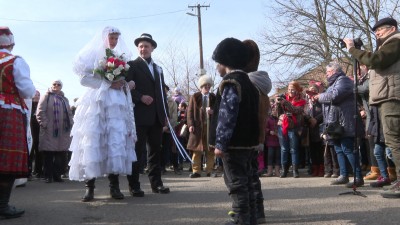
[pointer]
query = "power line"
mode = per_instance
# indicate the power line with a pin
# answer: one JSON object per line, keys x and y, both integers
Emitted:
{"x": 88, "y": 21}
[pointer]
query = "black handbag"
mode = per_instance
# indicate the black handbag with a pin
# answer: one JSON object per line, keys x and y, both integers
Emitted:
{"x": 335, "y": 130}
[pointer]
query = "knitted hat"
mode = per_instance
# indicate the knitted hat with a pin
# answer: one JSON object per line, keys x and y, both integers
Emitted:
{"x": 385, "y": 21}
{"x": 232, "y": 53}
{"x": 205, "y": 79}
{"x": 253, "y": 54}
{"x": 145, "y": 37}
{"x": 6, "y": 37}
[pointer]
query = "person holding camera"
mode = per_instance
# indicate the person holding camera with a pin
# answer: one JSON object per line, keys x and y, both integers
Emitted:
{"x": 338, "y": 112}
{"x": 384, "y": 84}
{"x": 290, "y": 125}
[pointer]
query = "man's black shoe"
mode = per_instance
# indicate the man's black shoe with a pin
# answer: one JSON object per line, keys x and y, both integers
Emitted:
{"x": 161, "y": 190}
{"x": 194, "y": 175}
{"x": 58, "y": 179}
{"x": 11, "y": 212}
{"x": 136, "y": 192}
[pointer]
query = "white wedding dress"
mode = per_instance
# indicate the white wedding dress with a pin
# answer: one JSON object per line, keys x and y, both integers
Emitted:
{"x": 104, "y": 133}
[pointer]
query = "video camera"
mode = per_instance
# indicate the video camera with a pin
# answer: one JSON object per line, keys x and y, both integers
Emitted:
{"x": 357, "y": 43}
{"x": 280, "y": 97}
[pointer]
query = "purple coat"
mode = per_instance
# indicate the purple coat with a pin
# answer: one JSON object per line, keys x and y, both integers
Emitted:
{"x": 272, "y": 124}
{"x": 179, "y": 98}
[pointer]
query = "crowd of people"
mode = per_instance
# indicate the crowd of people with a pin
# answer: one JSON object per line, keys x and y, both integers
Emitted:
{"x": 129, "y": 121}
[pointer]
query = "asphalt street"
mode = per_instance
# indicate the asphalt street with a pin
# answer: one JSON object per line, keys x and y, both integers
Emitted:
{"x": 201, "y": 201}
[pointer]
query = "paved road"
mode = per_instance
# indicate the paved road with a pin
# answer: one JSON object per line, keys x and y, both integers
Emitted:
{"x": 201, "y": 201}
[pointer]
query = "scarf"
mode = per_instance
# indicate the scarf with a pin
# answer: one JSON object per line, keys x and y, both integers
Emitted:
{"x": 297, "y": 102}
{"x": 333, "y": 78}
{"x": 57, "y": 104}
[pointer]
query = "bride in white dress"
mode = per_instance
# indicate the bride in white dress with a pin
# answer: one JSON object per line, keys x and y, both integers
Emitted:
{"x": 104, "y": 134}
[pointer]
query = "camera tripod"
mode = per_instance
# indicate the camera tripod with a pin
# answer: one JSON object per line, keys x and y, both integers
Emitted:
{"x": 356, "y": 124}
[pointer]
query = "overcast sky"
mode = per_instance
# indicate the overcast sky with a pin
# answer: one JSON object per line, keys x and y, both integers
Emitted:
{"x": 49, "y": 33}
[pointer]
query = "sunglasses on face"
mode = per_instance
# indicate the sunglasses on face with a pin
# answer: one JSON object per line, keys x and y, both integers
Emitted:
{"x": 57, "y": 84}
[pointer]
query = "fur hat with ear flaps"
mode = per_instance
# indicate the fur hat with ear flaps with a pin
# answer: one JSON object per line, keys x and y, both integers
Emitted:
{"x": 232, "y": 53}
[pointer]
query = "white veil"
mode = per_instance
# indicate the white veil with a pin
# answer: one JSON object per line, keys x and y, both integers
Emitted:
{"x": 88, "y": 57}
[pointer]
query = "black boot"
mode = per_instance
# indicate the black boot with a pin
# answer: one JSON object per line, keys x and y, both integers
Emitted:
{"x": 115, "y": 193}
{"x": 242, "y": 219}
{"x": 296, "y": 171}
{"x": 260, "y": 214}
{"x": 7, "y": 211}
{"x": 285, "y": 171}
{"x": 89, "y": 194}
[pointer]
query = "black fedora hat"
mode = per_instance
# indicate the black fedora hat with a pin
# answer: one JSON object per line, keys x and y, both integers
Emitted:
{"x": 145, "y": 37}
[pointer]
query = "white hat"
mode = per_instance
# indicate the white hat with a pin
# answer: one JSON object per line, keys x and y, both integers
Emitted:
{"x": 205, "y": 79}
{"x": 6, "y": 37}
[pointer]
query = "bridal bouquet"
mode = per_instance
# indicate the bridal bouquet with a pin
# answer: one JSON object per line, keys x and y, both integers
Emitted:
{"x": 112, "y": 67}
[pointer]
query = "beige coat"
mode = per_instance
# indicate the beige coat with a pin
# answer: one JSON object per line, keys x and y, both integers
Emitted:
{"x": 195, "y": 114}
{"x": 45, "y": 117}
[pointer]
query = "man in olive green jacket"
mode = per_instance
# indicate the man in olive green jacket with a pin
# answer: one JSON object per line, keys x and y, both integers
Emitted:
{"x": 384, "y": 86}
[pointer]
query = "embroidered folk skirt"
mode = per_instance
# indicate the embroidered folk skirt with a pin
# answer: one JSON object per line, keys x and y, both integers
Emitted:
{"x": 13, "y": 143}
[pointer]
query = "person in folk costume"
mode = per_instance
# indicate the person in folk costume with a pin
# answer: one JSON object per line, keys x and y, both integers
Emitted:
{"x": 21, "y": 182}
{"x": 290, "y": 111}
{"x": 150, "y": 101}
{"x": 104, "y": 134}
{"x": 234, "y": 132}
{"x": 262, "y": 82}
{"x": 15, "y": 86}
{"x": 199, "y": 113}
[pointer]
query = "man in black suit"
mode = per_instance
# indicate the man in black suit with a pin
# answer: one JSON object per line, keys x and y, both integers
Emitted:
{"x": 150, "y": 116}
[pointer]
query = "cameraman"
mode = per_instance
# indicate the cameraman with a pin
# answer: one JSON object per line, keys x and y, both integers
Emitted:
{"x": 338, "y": 107}
{"x": 384, "y": 85}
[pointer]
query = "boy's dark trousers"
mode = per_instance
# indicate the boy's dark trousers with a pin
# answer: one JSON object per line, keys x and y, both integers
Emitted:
{"x": 258, "y": 195}
{"x": 238, "y": 180}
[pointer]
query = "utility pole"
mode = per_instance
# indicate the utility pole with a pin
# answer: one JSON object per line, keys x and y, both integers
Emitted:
{"x": 198, "y": 15}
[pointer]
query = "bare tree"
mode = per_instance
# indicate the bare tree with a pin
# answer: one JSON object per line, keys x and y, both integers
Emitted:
{"x": 181, "y": 70}
{"x": 304, "y": 35}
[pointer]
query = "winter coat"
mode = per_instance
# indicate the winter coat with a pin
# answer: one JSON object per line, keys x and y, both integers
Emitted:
{"x": 343, "y": 106}
{"x": 271, "y": 125}
{"x": 314, "y": 110}
{"x": 384, "y": 82}
{"x": 195, "y": 115}
{"x": 49, "y": 140}
{"x": 375, "y": 127}
{"x": 153, "y": 114}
